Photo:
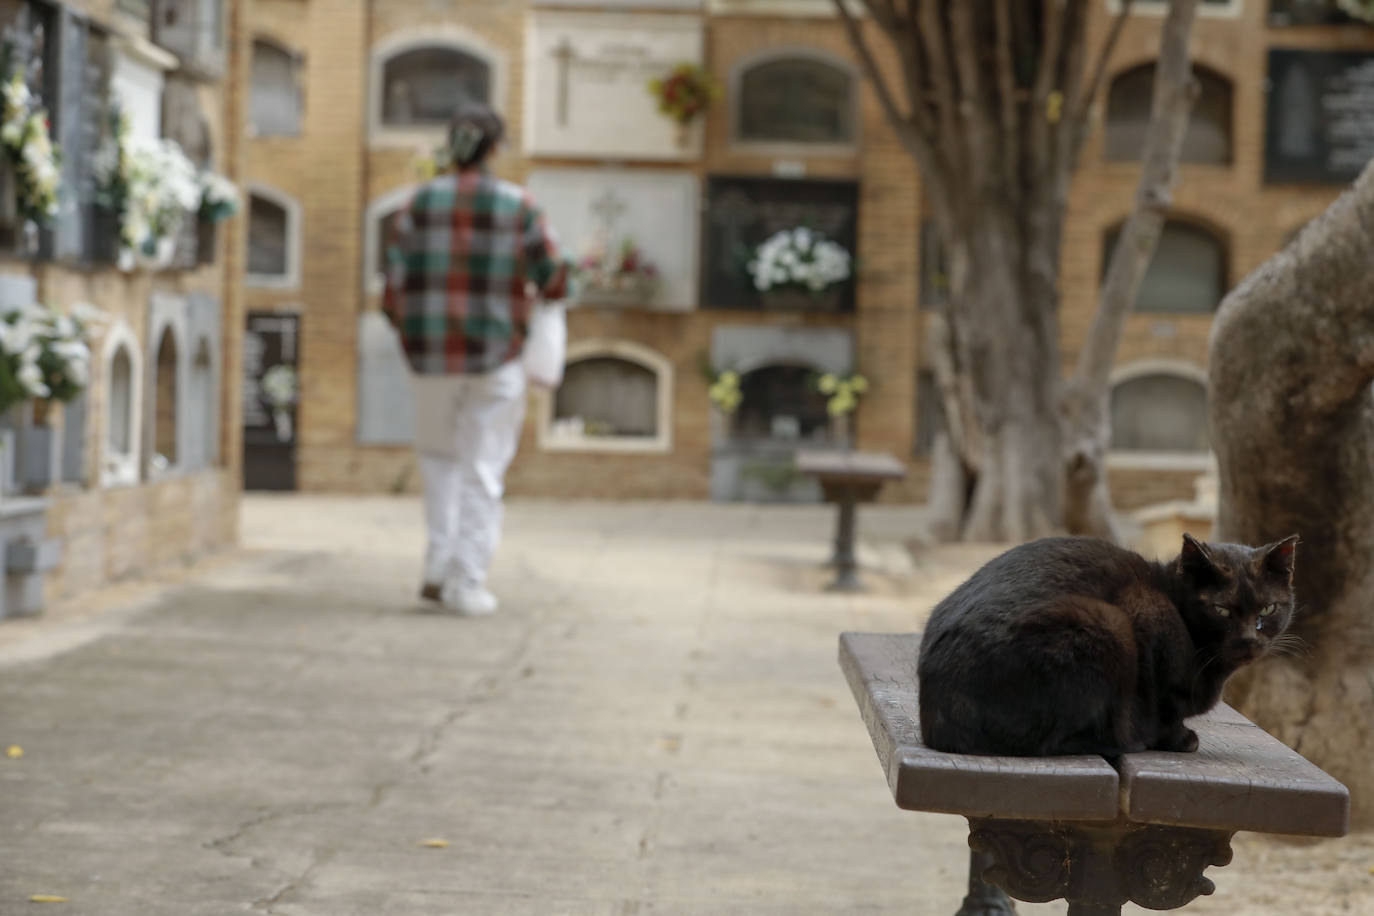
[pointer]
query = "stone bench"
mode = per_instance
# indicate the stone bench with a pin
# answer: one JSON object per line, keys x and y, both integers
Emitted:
{"x": 848, "y": 478}
{"x": 1141, "y": 828}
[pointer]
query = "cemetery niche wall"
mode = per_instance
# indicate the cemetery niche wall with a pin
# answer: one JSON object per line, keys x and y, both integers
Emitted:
{"x": 1318, "y": 123}
{"x": 586, "y": 84}
{"x": 418, "y": 77}
{"x": 743, "y": 213}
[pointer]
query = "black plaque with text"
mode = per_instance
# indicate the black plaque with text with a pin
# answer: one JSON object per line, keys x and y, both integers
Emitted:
{"x": 742, "y": 212}
{"x": 271, "y": 363}
{"x": 1319, "y": 115}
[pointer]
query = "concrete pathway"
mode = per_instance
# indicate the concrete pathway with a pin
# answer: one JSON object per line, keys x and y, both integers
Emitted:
{"x": 654, "y": 723}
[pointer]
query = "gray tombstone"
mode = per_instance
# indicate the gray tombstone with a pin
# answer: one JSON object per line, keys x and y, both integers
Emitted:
{"x": 386, "y": 414}
{"x": 201, "y": 438}
{"x": 74, "y": 440}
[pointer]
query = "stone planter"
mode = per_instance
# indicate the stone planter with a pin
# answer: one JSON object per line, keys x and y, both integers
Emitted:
{"x": 792, "y": 299}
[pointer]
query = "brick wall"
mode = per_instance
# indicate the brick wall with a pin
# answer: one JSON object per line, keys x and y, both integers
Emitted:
{"x": 336, "y": 171}
{"x": 114, "y": 533}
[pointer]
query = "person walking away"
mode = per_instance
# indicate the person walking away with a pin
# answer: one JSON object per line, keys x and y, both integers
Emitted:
{"x": 467, "y": 256}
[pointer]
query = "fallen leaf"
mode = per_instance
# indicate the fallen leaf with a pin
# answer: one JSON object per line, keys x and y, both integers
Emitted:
{"x": 14, "y": 752}
{"x": 46, "y": 898}
{"x": 435, "y": 844}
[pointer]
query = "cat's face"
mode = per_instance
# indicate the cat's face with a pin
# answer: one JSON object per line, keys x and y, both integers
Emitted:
{"x": 1242, "y": 597}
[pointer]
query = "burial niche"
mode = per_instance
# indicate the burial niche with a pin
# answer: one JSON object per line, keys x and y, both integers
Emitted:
{"x": 780, "y": 402}
{"x": 1208, "y": 136}
{"x": 1187, "y": 273}
{"x": 422, "y": 86}
{"x": 122, "y": 414}
{"x": 1159, "y": 411}
{"x": 275, "y": 103}
{"x": 796, "y": 98}
{"x": 165, "y": 396}
{"x": 271, "y": 239}
{"x": 607, "y": 397}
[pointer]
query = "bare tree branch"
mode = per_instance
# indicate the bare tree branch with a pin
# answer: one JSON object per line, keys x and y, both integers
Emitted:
{"x": 932, "y": 34}
{"x": 1045, "y": 77}
{"x": 972, "y": 108}
{"x": 900, "y": 123}
{"x": 1082, "y": 111}
{"x": 1174, "y": 92}
{"x": 1006, "y": 90}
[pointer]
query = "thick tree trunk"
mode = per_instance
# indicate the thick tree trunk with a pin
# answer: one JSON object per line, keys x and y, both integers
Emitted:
{"x": 1013, "y": 360}
{"x": 1291, "y": 367}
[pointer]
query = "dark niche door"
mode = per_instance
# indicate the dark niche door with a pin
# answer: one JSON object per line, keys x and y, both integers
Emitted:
{"x": 271, "y": 399}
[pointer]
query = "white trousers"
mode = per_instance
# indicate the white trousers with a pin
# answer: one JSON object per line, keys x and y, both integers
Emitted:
{"x": 467, "y": 428}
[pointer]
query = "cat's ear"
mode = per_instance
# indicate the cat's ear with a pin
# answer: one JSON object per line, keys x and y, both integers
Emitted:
{"x": 1279, "y": 557}
{"x": 1196, "y": 559}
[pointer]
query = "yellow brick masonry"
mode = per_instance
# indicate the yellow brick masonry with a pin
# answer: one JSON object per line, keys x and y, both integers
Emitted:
{"x": 111, "y": 534}
{"x": 333, "y": 171}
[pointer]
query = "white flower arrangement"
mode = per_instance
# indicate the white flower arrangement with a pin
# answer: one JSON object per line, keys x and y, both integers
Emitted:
{"x": 29, "y": 147}
{"x": 151, "y": 185}
{"x": 219, "y": 197}
{"x": 279, "y": 386}
{"x": 799, "y": 258}
{"x": 44, "y": 354}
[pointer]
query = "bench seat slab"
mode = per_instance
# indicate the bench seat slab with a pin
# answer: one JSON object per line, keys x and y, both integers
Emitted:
{"x": 881, "y": 670}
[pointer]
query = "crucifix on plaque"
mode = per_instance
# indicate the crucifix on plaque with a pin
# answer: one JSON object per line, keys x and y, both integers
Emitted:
{"x": 565, "y": 55}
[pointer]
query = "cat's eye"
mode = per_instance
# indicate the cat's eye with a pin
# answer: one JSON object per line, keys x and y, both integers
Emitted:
{"x": 1223, "y": 611}
{"x": 1268, "y": 610}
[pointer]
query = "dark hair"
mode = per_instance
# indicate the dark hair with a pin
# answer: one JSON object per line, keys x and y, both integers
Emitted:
{"x": 473, "y": 134}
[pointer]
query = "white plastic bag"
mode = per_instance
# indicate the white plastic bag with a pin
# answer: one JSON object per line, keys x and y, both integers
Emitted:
{"x": 546, "y": 346}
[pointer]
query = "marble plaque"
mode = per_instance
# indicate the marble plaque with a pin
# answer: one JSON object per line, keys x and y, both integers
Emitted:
{"x": 657, "y": 209}
{"x": 386, "y": 410}
{"x": 587, "y": 84}
{"x": 1319, "y": 124}
{"x": 743, "y": 212}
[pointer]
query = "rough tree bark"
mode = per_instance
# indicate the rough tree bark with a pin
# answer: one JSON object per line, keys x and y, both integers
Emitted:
{"x": 1292, "y": 415}
{"x": 998, "y": 103}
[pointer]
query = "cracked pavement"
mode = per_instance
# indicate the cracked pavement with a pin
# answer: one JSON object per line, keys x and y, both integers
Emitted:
{"x": 653, "y": 723}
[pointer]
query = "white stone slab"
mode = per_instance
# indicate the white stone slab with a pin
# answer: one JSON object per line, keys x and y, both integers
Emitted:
{"x": 688, "y": 5}
{"x": 656, "y": 207}
{"x": 587, "y": 84}
{"x": 386, "y": 413}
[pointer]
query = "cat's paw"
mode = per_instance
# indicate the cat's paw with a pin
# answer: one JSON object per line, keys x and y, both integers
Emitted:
{"x": 1183, "y": 740}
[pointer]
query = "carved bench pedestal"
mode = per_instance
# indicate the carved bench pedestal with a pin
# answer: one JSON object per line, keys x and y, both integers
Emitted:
{"x": 1098, "y": 867}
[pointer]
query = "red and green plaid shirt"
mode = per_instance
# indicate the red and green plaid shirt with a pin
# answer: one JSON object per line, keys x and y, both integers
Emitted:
{"x": 466, "y": 257}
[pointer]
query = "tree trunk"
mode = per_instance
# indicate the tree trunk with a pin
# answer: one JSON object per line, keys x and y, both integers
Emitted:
{"x": 1292, "y": 416}
{"x": 1013, "y": 360}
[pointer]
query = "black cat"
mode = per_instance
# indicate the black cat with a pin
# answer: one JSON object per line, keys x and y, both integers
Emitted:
{"x": 1076, "y": 646}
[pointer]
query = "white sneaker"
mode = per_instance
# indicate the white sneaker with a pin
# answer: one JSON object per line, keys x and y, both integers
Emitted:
{"x": 468, "y": 600}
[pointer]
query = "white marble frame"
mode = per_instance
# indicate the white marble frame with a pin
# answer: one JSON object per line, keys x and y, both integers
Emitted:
{"x": 121, "y": 469}
{"x": 429, "y": 36}
{"x": 291, "y": 280}
{"x": 819, "y": 9}
{"x": 1133, "y": 459}
{"x": 629, "y": 351}
{"x": 166, "y": 314}
{"x": 373, "y": 282}
{"x": 794, "y": 149}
